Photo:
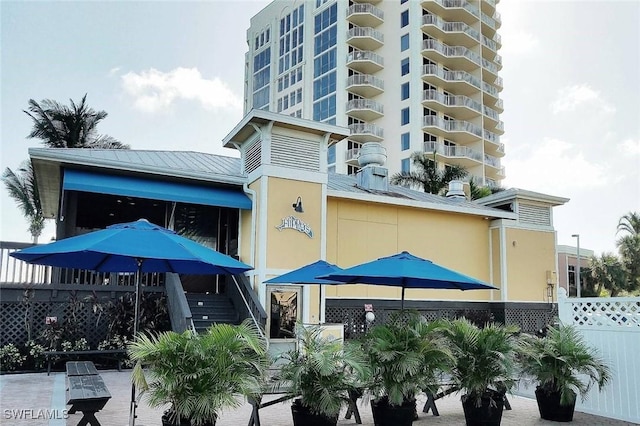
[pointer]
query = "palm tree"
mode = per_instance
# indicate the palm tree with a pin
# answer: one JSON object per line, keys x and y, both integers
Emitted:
{"x": 427, "y": 175}
{"x": 607, "y": 271}
{"x": 60, "y": 126}
{"x": 22, "y": 188}
{"x": 629, "y": 248}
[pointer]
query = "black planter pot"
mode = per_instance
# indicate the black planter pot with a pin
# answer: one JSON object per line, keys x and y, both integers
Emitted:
{"x": 487, "y": 414}
{"x": 550, "y": 408}
{"x": 302, "y": 416}
{"x": 385, "y": 414}
{"x": 167, "y": 421}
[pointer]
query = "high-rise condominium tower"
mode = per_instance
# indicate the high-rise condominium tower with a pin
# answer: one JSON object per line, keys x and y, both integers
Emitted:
{"x": 413, "y": 75}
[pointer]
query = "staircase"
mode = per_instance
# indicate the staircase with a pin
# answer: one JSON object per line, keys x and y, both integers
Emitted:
{"x": 208, "y": 309}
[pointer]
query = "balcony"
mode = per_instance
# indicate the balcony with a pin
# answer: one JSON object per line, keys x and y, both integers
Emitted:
{"x": 351, "y": 156}
{"x": 488, "y": 6}
{"x": 365, "y": 15}
{"x": 489, "y": 25}
{"x": 455, "y": 33}
{"x": 453, "y": 10}
{"x": 458, "y": 57}
{"x": 365, "y": 38}
{"x": 365, "y": 62}
{"x": 366, "y": 132}
{"x": 365, "y": 109}
{"x": 461, "y": 107}
{"x": 495, "y": 149}
{"x": 457, "y": 154}
{"x": 367, "y": 1}
{"x": 491, "y": 91}
{"x": 498, "y": 105}
{"x": 491, "y": 68}
{"x": 460, "y": 82}
{"x": 365, "y": 85}
{"x": 458, "y": 130}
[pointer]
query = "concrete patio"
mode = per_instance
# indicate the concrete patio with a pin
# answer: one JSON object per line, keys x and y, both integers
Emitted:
{"x": 36, "y": 397}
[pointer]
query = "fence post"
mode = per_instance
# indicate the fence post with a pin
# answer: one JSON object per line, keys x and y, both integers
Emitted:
{"x": 564, "y": 307}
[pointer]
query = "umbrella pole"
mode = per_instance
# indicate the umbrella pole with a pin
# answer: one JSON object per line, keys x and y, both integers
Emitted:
{"x": 136, "y": 313}
{"x": 402, "y": 302}
{"x": 319, "y": 304}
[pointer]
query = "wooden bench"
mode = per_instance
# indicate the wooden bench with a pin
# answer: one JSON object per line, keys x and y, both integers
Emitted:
{"x": 257, "y": 404}
{"x": 112, "y": 354}
{"x": 448, "y": 389}
{"x": 86, "y": 391}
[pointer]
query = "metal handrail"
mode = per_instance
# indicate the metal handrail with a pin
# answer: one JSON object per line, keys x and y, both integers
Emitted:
{"x": 256, "y": 304}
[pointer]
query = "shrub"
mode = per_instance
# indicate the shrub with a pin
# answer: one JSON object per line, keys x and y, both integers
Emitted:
{"x": 10, "y": 357}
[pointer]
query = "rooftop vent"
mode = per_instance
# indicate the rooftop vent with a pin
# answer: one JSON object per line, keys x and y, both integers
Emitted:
{"x": 456, "y": 190}
{"x": 372, "y": 175}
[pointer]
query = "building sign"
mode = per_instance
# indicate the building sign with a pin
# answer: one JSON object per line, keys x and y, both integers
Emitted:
{"x": 291, "y": 222}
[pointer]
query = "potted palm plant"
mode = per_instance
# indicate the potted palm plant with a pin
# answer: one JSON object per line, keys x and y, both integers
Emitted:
{"x": 484, "y": 369}
{"x": 320, "y": 372}
{"x": 407, "y": 355}
{"x": 198, "y": 375}
{"x": 563, "y": 366}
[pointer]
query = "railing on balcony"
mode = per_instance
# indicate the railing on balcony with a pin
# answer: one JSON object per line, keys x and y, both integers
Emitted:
{"x": 491, "y": 113}
{"x": 365, "y": 79}
{"x": 492, "y": 161}
{"x": 460, "y": 4}
{"x": 452, "y": 125}
{"x": 490, "y": 89}
{"x": 352, "y": 154}
{"x": 490, "y": 66}
{"x": 489, "y": 21}
{"x": 367, "y": 129}
{"x": 365, "y": 55}
{"x": 368, "y": 8}
{"x": 451, "y": 100}
{"x": 365, "y": 32}
{"x": 451, "y": 51}
{"x": 491, "y": 137}
{"x": 486, "y": 41}
{"x": 450, "y": 27}
{"x": 365, "y": 104}
{"x": 459, "y": 151}
{"x": 451, "y": 75}
{"x": 15, "y": 271}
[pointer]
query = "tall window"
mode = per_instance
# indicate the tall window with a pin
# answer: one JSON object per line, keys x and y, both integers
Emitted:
{"x": 291, "y": 38}
{"x": 404, "y": 19}
{"x": 405, "y": 165}
{"x": 324, "y": 62}
{"x": 261, "y": 77}
{"x": 404, "y": 42}
{"x": 404, "y": 91}
{"x": 405, "y": 141}
{"x": 404, "y": 116}
{"x": 404, "y": 66}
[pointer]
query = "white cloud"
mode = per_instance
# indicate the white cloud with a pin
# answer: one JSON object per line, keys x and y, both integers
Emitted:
{"x": 630, "y": 146}
{"x": 553, "y": 166}
{"x": 153, "y": 90}
{"x": 569, "y": 98}
{"x": 114, "y": 71}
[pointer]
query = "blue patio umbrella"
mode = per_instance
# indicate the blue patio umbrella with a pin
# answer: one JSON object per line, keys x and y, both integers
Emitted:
{"x": 307, "y": 275}
{"x": 407, "y": 271}
{"x": 138, "y": 247}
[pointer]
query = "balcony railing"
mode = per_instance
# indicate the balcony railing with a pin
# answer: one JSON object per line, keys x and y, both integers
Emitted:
{"x": 486, "y": 41}
{"x": 366, "y": 55}
{"x": 490, "y": 89}
{"x": 451, "y": 125}
{"x": 451, "y": 51}
{"x": 451, "y": 75}
{"x": 472, "y": 9}
{"x": 367, "y": 129}
{"x": 492, "y": 161}
{"x": 365, "y": 79}
{"x": 366, "y": 33}
{"x": 451, "y": 100}
{"x": 491, "y": 137}
{"x": 365, "y": 8}
{"x": 490, "y": 113}
{"x": 489, "y": 21}
{"x": 458, "y": 151}
{"x": 490, "y": 66}
{"x": 365, "y": 104}
{"x": 450, "y": 27}
{"x": 352, "y": 154}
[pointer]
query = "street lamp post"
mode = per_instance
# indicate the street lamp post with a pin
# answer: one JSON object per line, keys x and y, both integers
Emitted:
{"x": 578, "y": 281}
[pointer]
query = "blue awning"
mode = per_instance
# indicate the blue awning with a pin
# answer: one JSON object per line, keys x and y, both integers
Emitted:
{"x": 128, "y": 186}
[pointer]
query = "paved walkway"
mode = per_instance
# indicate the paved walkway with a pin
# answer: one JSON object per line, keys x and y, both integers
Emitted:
{"x": 39, "y": 400}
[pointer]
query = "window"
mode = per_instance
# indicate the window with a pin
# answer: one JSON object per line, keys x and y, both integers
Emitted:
{"x": 403, "y": 1}
{"x": 404, "y": 42}
{"x": 405, "y": 165}
{"x": 404, "y": 116}
{"x": 284, "y": 309}
{"x": 404, "y": 66}
{"x": 404, "y": 91}
{"x": 404, "y": 19}
{"x": 405, "y": 141}
{"x": 331, "y": 154}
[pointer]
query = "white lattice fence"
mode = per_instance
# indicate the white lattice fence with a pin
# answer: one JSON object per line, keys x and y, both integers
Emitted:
{"x": 612, "y": 326}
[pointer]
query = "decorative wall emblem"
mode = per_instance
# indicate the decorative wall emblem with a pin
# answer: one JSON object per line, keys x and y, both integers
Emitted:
{"x": 291, "y": 222}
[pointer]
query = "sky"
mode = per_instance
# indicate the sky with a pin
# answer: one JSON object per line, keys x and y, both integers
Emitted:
{"x": 171, "y": 77}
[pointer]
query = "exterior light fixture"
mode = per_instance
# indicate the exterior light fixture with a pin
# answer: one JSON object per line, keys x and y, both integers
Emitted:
{"x": 297, "y": 206}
